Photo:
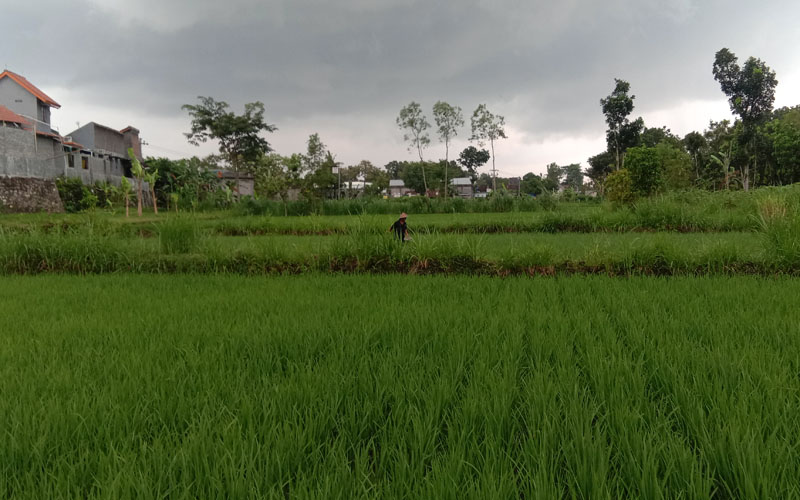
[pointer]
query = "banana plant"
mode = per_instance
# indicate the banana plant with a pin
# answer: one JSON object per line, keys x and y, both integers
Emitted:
{"x": 138, "y": 172}
{"x": 125, "y": 188}
{"x": 724, "y": 161}
{"x": 151, "y": 178}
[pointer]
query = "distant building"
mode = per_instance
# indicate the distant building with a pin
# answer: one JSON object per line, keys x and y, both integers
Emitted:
{"x": 246, "y": 186}
{"x": 462, "y": 186}
{"x": 353, "y": 189}
{"x": 102, "y": 151}
{"x": 398, "y": 189}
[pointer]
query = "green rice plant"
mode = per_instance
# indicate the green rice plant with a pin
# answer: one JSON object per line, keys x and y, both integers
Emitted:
{"x": 398, "y": 386}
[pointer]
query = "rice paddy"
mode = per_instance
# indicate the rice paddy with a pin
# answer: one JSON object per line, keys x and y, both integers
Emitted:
{"x": 575, "y": 351}
{"x": 399, "y": 387}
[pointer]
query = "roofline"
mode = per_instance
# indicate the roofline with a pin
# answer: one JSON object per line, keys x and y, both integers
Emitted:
{"x": 31, "y": 88}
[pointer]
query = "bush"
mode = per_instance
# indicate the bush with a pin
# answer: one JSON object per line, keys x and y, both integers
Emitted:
{"x": 646, "y": 172}
{"x": 71, "y": 191}
{"x": 619, "y": 188}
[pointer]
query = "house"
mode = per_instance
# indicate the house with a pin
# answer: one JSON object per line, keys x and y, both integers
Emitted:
{"x": 103, "y": 152}
{"x": 25, "y": 99}
{"x": 462, "y": 186}
{"x": 28, "y": 146}
{"x": 246, "y": 182}
{"x": 398, "y": 189}
{"x": 31, "y": 148}
{"x": 33, "y": 153}
{"x": 353, "y": 189}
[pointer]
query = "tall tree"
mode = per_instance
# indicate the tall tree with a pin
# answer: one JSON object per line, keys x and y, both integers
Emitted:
{"x": 488, "y": 127}
{"x": 617, "y": 106}
{"x": 316, "y": 152}
{"x": 448, "y": 120}
{"x": 751, "y": 93}
{"x": 695, "y": 144}
{"x": 472, "y": 159}
{"x": 552, "y": 178}
{"x": 413, "y": 122}
{"x": 573, "y": 176}
{"x": 238, "y": 136}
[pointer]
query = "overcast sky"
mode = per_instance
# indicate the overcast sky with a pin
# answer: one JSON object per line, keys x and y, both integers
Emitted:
{"x": 344, "y": 68}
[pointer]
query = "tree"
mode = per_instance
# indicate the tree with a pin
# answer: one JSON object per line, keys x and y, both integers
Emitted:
{"x": 448, "y": 120}
{"x": 784, "y": 136}
{"x": 471, "y": 159}
{"x": 532, "y": 184}
{"x": 377, "y": 178}
{"x": 600, "y": 165}
{"x": 552, "y": 179}
{"x": 646, "y": 171}
{"x": 237, "y": 135}
{"x": 573, "y": 176}
{"x": 652, "y": 137}
{"x": 617, "y": 106}
{"x": 138, "y": 172}
{"x": 751, "y": 93}
{"x": 415, "y": 125}
{"x": 487, "y": 127}
{"x": 676, "y": 166}
{"x": 316, "y": 153}
{"x": 695, "y": 144}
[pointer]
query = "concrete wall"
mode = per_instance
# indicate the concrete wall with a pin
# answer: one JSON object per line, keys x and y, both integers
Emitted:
{"x": 17, "y": 99}
{"x": 84, "y": 136}
{"x": 107, "y": 139}
{"x": 131, "y": 136}
{"x": 23, "y": 156}
{"x": 19, "y": 194}
{"x": 48, "y": 160}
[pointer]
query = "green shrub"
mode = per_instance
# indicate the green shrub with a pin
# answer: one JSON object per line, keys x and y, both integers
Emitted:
{"x": 646, "y": 170}
{"x": 71, "y": 191}
{"x": 619, "y": 187}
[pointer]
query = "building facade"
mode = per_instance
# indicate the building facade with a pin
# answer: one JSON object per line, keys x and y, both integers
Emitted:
{"x": 31, "y": 148}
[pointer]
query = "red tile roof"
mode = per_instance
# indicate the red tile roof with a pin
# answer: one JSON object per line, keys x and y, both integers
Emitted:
{"x": 6, "y": 115}
{"x": 24, "y": 83}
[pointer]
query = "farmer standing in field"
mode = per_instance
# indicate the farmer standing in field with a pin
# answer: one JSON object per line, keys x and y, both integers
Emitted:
{"x": 400, "y": 228}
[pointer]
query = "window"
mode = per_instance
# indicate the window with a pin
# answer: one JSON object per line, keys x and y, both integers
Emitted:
{"x": 85, "y": 162}
{"x": 71, "y": 160}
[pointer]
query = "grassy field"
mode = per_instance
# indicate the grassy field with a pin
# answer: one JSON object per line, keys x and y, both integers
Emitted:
{"x": 235, "y": 354}
{"x": 399, "y": 387}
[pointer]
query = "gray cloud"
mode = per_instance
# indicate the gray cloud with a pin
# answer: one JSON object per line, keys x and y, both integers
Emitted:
{"x": 542, "y": 64}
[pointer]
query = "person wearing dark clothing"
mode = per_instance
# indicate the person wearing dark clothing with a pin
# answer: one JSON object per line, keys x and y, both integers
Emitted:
{"x": 400, "y": 228}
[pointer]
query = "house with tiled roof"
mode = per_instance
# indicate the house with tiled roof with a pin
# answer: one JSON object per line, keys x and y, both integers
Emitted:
{"x": 31, "y": 149}
{"x": 26, "y": 99}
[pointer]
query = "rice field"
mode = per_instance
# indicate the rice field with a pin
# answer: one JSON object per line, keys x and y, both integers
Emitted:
{"x": 573, "y": 351}
{"x": 321, "y": 386}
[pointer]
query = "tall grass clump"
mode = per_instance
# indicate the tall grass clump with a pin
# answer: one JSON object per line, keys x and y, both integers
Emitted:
{"x": 178, "y": 235}
{"x": 779, "y": 221}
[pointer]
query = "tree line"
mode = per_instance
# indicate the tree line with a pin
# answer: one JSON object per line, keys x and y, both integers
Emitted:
{"x": 760, "y": 147}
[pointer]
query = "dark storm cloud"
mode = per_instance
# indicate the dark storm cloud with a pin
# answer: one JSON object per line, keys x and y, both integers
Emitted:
{"x": 542, "y": 64}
